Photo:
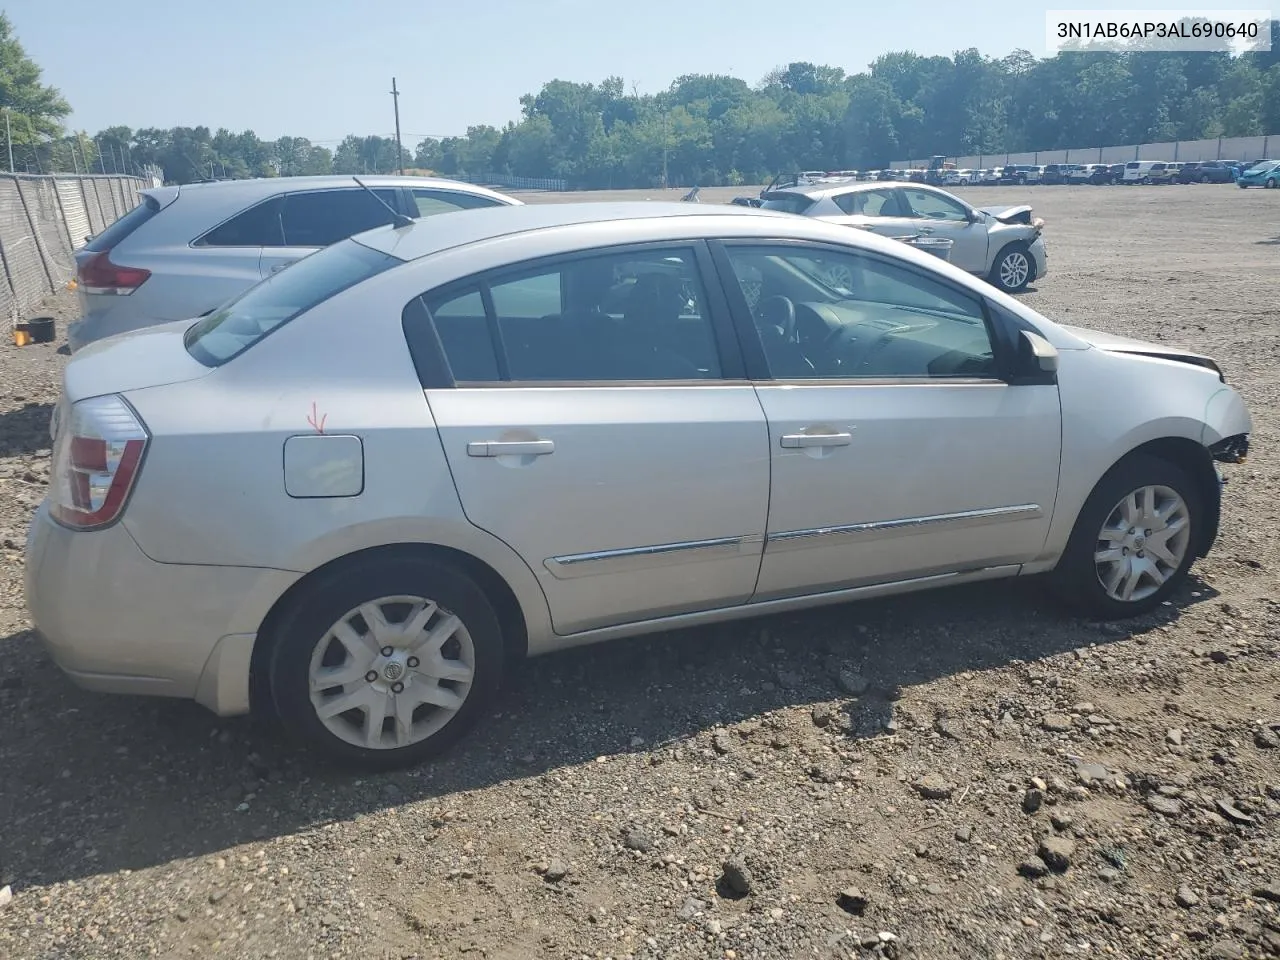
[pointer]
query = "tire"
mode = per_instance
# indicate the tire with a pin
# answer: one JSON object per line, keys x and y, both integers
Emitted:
{"x": 303, "y": 641}
{"x": 1204, "y": 179}
{"x": 1271, "y": 183}
{"x": 1007, "y": 280}
{"x": 1243, "y": 186}
{"x": 1077, "y": 579}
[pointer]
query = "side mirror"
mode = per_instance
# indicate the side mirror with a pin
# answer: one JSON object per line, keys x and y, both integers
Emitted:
{"x": 1037, "y": 358}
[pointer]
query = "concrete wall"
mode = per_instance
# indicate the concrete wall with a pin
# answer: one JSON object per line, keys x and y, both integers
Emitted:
{"x": 1227, "y": 148}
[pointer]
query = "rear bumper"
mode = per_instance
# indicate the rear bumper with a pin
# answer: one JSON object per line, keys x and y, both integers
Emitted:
{"x": 117, "y": 621}
{"x": 99, "y": 324}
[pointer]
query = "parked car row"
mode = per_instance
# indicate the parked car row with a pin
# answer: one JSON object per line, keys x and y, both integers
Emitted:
{"x": 1133, "y": 172}
{"x": 363, "y": 485}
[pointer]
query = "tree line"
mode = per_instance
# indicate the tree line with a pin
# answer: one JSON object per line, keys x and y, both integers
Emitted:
{"x": 713, "y": 129}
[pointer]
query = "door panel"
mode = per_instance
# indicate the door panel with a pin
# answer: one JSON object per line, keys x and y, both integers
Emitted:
{"x": 591, "y": 427}
{"x": 626, "y": 502}
{"x": 931, "y": 478}
{"x": 940, "y": 216}
{"x": 896, "y": 450}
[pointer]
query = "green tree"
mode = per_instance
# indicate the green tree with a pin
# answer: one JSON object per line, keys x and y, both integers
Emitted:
{"x": 34, "y": 111}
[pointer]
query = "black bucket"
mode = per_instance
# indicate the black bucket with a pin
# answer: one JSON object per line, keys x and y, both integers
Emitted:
{"x": 41, "y": 329}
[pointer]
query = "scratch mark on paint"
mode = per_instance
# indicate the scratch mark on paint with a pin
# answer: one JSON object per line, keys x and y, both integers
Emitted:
{"x": 317, "y": 421}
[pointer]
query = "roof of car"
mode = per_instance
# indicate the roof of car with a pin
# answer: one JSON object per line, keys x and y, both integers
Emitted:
{"x": 262, "y": 187}
{"x": 442, "y": 232}
{"x": 816, "y": 191}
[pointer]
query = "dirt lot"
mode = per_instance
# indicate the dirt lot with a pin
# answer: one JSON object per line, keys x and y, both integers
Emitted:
{"x": 916, "y": 754}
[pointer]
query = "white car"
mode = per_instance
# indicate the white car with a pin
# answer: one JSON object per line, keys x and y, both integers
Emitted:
{"x": 185, "y": 250}
{"x": 357, "y": 494}
{"x": 1002, "y": 244}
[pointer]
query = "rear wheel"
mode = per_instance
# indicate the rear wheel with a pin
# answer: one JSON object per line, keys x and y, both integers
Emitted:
{"x": 1133, "y": 541}
{"x": 1271, "y": 183}
{"x": 388, "y": 664}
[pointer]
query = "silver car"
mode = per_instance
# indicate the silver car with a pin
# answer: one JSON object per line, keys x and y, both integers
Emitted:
{"x": 185, "y": 250}
{"x": 356, "y": 495}
{"x": 1003, "y": 244}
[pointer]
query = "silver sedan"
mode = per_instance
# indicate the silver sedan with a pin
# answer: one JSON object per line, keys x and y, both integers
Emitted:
{"x": 1005, "y": 245}
{"x": 355, "y": 495}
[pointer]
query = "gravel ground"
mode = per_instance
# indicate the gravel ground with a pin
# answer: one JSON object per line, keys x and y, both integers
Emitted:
{"x": 959, "y": 774}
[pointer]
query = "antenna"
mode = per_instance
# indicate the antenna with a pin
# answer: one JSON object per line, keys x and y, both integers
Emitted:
{"x": 397, "y": 218}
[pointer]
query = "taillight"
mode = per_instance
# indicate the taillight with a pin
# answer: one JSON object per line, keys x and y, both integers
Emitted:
{"x": 96, "y": 457}
{"x": 99, "y": 275}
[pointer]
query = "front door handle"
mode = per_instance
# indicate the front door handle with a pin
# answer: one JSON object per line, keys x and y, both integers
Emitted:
{"x": 278, "y": 267}
{"x": 796, "y": 441}
{"x": 510, "y": 448}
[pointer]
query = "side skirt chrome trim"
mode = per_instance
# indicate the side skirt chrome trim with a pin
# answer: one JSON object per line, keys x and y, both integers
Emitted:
{"x": 659, "y": 555}
{"x": 763, "y": 608}
{"x": 909, "y": 526}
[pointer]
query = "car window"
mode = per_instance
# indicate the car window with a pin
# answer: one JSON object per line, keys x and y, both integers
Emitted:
{"x": 613, "y": 317}
{"x": 859, "y": 316}
{"x": 934, "y": 206}
{"x": 867, "y": 203}
{"x": 431, "y": 202}
{"x": 259, "y": 226}
{"x": 124, "y": 226}
{"x": 270, "y": 304}
{"x": 322, "y": 217}
{"x": 787, "y": 202}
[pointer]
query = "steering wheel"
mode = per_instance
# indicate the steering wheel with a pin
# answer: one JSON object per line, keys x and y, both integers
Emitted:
{"x": 779, "y": 312}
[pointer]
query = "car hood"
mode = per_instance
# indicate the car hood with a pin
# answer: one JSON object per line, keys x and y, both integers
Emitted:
{"x": 1112, "y": 343}
{"x": 149, "y": 357}
{"x": 1016, "y": 214}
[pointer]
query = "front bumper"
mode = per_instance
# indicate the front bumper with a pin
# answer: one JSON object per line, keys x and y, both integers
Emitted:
{"x": 117, "y": 621}
{"x": 1039, "y": 258}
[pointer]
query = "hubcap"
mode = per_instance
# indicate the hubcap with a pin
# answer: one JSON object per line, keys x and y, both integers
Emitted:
{"x": 392, "y": 672}
{"x": 1142, "y": 543}
{"x": 1014, "y": 269}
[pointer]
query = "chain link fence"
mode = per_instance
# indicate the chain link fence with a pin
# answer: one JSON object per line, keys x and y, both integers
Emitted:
{"x": 44, "y": 220}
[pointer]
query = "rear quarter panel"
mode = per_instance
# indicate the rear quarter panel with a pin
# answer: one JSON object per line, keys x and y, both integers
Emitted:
{"x": 212, "y": 491}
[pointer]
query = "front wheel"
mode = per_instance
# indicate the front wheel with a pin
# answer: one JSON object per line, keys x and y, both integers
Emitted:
{"x": 386, "y": 664}
{"x": 1271, "y": 183}
{"x": 1012, "y": 270}
{"x": 1133, "y": 541}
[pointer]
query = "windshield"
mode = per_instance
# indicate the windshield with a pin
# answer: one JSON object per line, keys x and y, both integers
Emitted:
{"x": 1261, "y": 167}
{"x": 270, "y": 304}
{"x": 787, "y": 202}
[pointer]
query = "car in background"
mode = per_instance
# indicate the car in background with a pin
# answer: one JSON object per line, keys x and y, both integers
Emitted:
{"x": 1004, "y": 245}
{"x": 1164, "y": 173}
{"x": 1265, "y": 173}
{"x": 1139, "y": 171}
{"x": 1056, "y": 174}
{"x": 560, "y": 424}
{"x": 1205, "y": 171}
{"x": 185, "y": 250}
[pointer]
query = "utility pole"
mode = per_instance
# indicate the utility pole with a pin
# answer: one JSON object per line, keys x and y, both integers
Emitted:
{"x": 8, "y": 138}
{"x": 395, "y": 98}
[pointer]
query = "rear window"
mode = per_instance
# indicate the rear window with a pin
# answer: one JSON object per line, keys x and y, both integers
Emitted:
{"x": 130, "y": 222}
{"x": 270, "y": 304}
{"x": 787, "y": 202}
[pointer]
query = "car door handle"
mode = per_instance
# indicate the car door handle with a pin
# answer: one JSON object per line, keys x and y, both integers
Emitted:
{"x": 278, "y": 267}
{"x": 510, "y": 448}
{"x": 796, "y": 441}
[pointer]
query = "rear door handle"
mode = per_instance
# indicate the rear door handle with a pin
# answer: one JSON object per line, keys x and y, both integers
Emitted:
{"x": 278, "y": 267}
{"x": 510, "y": 448}
{"x": 796, "y": 441}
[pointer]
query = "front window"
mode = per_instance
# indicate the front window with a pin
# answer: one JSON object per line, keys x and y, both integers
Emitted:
{"x": 824, "y": 314}
{"x": 273, "y": 302}
{"x": 935, "y": 206}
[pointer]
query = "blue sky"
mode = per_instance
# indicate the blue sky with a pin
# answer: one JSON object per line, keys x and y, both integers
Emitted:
{"x": 323, "y": 68}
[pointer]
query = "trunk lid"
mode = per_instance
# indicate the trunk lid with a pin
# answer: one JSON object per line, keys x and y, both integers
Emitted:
{"x": 150, "y": 357}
